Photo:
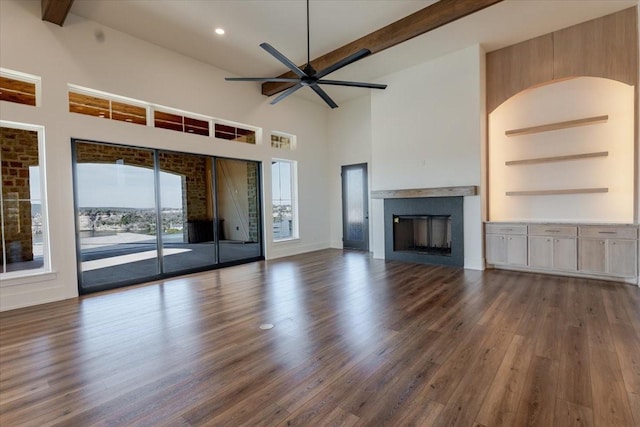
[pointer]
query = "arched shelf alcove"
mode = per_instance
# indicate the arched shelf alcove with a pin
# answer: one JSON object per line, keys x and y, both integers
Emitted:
{"x": 563, "y": 151}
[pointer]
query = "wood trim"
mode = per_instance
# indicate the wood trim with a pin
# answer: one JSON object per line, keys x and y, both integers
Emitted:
{"x": 431, "y": 17}
{"x": 557, "y": 192}
{"x": 556, "y": 158}
{"x": 558, "y": 125}
{"x": 55, "y": 11}
{"x": 469, "y": 190}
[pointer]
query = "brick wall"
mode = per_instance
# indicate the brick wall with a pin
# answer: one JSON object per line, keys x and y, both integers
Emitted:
{"x": 252, "y": 187}
{"x": 19, "y": 150}
{"x": 192, "y": 168}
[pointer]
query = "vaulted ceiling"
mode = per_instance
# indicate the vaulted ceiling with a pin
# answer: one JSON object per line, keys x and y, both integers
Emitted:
{"x": 187, "y": 27}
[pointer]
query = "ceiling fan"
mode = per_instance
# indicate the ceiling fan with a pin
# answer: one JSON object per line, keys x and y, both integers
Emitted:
{"x": 308, "y": 76}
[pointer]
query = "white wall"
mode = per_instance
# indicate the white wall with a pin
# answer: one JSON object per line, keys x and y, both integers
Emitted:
{"x": 349, "y": 137}
{"x": 557, "y": 102}
{"x": 128, "y": 66}
{"x": 427, "y": 131}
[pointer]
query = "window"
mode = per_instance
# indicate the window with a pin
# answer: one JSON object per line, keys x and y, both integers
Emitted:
{"x": 233, "y": 133}
{"x": 282, "y": 140}
{"x": 23, "y": 237}
{"x": 19, "y": 87}
{"x": 180, "y": 123}
{"x": 106, "y": 108}
{"x": 284, "y": 199}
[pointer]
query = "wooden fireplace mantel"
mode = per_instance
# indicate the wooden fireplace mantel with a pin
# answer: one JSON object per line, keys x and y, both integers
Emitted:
{"x": 468, "y": 190}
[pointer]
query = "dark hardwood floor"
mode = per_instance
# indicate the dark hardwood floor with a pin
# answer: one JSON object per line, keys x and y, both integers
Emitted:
{"x": 356, "y": 341}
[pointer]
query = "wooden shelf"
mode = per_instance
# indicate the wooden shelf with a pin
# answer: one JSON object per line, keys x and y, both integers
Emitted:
{"x": 469, "y": 190}
{"x": 556, "y": 158}
{"x": 559, "y": 125}
{"x": 557, "y": 192}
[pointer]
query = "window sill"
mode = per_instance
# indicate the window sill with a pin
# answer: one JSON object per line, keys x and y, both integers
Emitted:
{"x": 285, "y": 241}
{"x": 23, "y": 278}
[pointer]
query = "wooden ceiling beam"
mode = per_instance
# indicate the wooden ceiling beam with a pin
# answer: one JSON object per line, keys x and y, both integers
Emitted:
{"x": 55, "y": 11}
{"x": 431, "y": 17}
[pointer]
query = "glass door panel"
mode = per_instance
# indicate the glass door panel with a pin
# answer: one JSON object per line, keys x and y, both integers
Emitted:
{"x": 238, "y": 209}
{"x": 116, "y": 215}
{"x": 355, "y": 213}
{"x": 187, "y": 211}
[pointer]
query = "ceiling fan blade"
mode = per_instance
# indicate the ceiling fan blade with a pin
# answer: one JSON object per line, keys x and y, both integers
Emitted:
{"x": 286, "y": 93}
{"x": 354, "y": 84}
{"x": 261, "y": 79}
{"x": 280, "y": 57}
{"x": 343, "y": 62}
{"x": 324, "y": 96}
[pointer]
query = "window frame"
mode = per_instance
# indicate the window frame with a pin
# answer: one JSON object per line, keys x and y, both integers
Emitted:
{"x": 292, "y": 140}
{"x": 27, "y": 78}
{"x": 238, "y": 126}
{"x": 295, "y": 230}
{"x": 46, "y": 269}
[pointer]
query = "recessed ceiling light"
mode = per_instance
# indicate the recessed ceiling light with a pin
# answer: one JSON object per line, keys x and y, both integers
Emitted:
{"x": 220, "y": 31}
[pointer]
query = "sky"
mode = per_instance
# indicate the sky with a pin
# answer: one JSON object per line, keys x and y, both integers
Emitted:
{"x": 280, "y": 180}
{"x": 125, "y": 186}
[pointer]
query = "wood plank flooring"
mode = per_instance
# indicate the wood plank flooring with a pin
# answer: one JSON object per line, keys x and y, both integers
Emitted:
{"x": 356, "y": 341}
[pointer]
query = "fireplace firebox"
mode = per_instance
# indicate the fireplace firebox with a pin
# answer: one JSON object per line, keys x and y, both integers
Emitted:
{"x": 429, "y": 234}
{"x": 425, "y": 230}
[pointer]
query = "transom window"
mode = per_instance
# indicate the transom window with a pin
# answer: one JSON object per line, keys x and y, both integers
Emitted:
{"x": 19, "y": 88}
{"x": 233, "y": 133}
{"x": 282, "y": 140}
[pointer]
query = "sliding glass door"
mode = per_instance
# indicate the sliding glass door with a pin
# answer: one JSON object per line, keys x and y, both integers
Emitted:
{"x": 143, "y": 214}
{"x": 187, "y": 211}
{"x": 115, "y": 214}
{"x": 238, "y": 209}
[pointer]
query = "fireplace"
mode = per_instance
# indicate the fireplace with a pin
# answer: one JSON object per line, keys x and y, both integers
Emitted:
{"x": 428, "y": 234}
{"x": 425, "y": 230}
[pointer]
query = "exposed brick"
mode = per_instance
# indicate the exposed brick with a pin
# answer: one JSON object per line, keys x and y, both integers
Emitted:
{"x": 19, "y": 151}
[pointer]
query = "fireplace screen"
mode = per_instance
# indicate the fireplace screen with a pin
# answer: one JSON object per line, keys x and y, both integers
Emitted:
{"x": 427, "y": 234}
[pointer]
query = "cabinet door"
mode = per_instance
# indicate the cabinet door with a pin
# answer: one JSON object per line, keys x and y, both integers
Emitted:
{"x": 565, "y": 255}
{"x": 517, "y": 250}
{"x": 496, "y": 249}
{"x": 622, "y": 257}
{"x": 540, "y": 252}
{"x": 592, "y": 255}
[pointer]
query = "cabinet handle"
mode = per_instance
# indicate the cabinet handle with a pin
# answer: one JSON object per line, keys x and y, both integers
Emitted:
{"x": 551, "y": 231}
{"x": 506, "y": 229}
{"x": 607, "y": 232}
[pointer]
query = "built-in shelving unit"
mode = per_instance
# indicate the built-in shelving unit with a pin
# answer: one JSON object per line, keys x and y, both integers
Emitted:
{"x": 558, "y": 125}
{"x": 557, "y": 192}
{"x": 556, "y": 158}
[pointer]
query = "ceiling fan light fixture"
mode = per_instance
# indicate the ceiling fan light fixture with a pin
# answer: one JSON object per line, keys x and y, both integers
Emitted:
{"x": 308, "y": 76}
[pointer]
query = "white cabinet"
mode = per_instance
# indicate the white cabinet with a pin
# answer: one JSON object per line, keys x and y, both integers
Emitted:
{"x": 601, "y": 251}
{"x": 506, "y": 244}
{"x": 553, "y": 247}
{"x": 610, "y": 250}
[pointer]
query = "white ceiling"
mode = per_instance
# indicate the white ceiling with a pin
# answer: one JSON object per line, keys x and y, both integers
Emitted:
{"x": 187, "y": 27}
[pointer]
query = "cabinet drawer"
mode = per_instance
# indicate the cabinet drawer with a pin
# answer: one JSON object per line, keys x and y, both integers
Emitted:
{"x": 506, "y": 229}
{"x": 553, "y": 230}
{"x": 609, "y": 232}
